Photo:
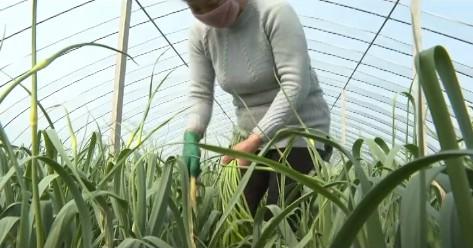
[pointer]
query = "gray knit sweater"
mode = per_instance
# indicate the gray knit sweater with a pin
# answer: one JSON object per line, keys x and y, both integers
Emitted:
{"x": 262, "y": 60}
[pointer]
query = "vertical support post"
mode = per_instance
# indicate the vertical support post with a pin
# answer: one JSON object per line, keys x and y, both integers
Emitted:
{"x": 120, "y": 71}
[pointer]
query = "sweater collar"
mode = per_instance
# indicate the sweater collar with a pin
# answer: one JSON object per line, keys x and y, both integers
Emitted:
{"x": 244, "y": 15}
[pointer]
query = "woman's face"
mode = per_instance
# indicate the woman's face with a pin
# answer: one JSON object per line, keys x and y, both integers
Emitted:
{"x": 203, "y": 6}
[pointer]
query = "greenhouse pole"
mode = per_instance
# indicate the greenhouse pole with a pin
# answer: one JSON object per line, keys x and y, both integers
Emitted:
{"x": 120, "y": 71}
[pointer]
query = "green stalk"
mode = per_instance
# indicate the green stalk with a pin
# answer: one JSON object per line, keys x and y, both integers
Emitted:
{"x": 34, "y": 136}
{"x": 21, "y": 240}
{"x": 410, "y": 101}
{"x": 417, "y": 35}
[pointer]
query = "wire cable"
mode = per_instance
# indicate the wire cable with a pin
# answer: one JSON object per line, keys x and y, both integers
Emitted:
{"x": 12, "y": 5}
{"x": 76, "y": 81}
{"x": 457, "y": 64}
{"x": 436, "y": 15}
{"x": 161, "y": 32}
{"x": 90, "y": 28}
{"x": 366, "y": 51}
{"x": 49, "y": 18}
{"x": 185, "y": 63}
{"x": 397, "y": 20}
{"x": 91, "y": 101}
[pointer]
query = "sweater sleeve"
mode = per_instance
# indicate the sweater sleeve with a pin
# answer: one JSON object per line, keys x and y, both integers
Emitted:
{"x": 201, "y": 89}
{"x": 289, "y": 46}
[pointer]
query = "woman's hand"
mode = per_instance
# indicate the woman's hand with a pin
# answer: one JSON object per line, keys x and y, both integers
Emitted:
{"x": 249, "y": 145}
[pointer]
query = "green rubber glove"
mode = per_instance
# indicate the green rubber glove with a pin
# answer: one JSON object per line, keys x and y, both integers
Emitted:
{"x": 191, "y": 152}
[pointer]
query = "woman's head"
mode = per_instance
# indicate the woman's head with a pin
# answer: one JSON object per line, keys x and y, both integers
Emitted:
{"x": 216, "y": 13}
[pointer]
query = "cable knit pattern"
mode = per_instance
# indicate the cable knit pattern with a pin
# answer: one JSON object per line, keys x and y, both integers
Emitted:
{"x": 262, "y": 60}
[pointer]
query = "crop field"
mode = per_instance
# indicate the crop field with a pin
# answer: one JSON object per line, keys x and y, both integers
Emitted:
{"x": 75, "y": 188}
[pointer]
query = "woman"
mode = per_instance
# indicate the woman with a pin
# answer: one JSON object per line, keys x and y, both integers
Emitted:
{"x": 257, "y": 51}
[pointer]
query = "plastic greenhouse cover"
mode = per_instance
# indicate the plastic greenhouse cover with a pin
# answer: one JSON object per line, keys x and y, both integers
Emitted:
{"x": 339, "y": 34}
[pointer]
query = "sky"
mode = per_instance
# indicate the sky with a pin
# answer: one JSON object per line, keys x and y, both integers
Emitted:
{"x": 82, "y": 81}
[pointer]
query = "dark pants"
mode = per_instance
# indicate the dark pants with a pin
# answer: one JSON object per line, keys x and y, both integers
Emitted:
{"x": 262, "y": 181}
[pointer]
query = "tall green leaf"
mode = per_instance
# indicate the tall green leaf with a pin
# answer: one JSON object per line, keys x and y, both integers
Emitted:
{"x": 159, "y": 206}
{"x": 276, "y": 220}
{"x": 23, "y": 239}
{"x": 450, "y": 225}
{"x": 86, "y": 224}
{"x": 411, "y": 206}
{"x": 7, "y": 224}
{"x": 373, "y": 198}
{"x": 375, "y": 233}
{"x": 428, "y": 64}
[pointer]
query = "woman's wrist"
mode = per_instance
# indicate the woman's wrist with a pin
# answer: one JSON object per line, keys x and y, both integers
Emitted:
{"x": 256, "y": 139}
